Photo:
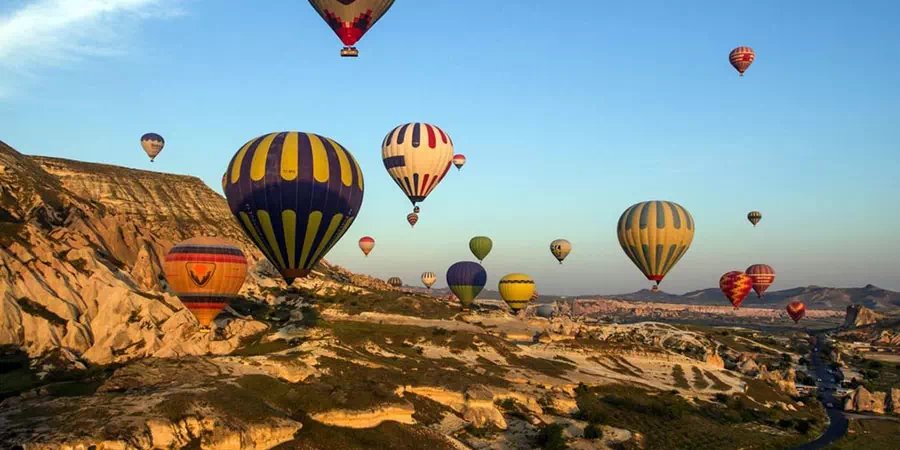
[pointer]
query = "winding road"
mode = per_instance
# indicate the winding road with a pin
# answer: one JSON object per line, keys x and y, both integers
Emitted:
{"x": 839, "y": 424}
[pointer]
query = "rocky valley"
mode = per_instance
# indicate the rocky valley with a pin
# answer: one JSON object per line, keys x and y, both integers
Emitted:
{"x": 98, "y": 354}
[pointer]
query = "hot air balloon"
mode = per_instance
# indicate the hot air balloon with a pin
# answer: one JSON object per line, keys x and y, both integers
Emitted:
{"x": 735, "y": 285}
{"x": 466, "y": 279}
{"x": 655, "y": 235}
{"x": 754, "y": 217}
{"x": 535, "y": 296}
{"x": 366, "y": 244}
{"x": 741, "y": 58}
{"x": 412, "y": 218}
{"x": 545, "y": 311}
{"x": 516, "y": 290}
{"x": 351, "y": 19}
{"x": 763, "y": 276}
{"x": 395, "y": 281}
{"x": 417, "y": 156}
{"x": 205, "y": 272}
{"x": 480, "y": 246}
{"x": 152, "y": 144}
{"x": 796, "y": 310}
{"x": 459, "y": 160}
{"x": 560, "y": 249}
{"x": 428, "y": 279}
{"x": 295, "y": 195}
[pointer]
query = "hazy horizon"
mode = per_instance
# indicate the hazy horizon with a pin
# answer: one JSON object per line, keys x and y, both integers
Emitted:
{"x": 566, "y": 120}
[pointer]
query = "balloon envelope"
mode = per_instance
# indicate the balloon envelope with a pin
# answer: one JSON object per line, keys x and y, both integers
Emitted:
{"x": 655, "y": 235}
{"x": 351, "y": 19}
{"x": 763, "y": 276}
{"x": 741, "y": 58}
{"x": 295, "y": 195}
{"x": 735, "y": 285}
{"x": 459, "y": 160}
{"x": 152, "y": 144}
{"x": 480, "y": 246}
{"x": 413, "y": 219}
{"x": 560, "y": 248}
{"x": 545, "y": 311}
{"x": 366, "y": 244}
{"x": 796, "y": 310}
{"x": 204, "y": 273}
{"x": 516, "y": 290}
{"x": 466, "y": 279}
{"x": 395, "y": 281}
{"x": 417, "y": 157}
{"x": 428, "y": 279}
{"x": 754, "y": 217}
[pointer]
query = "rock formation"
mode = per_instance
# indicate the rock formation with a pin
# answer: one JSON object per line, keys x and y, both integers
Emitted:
{"x": 860, "y": 316}
{"x": 864, "y": 401}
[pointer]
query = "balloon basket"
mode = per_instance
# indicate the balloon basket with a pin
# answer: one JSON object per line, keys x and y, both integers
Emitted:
{"x": 349, "y": 52}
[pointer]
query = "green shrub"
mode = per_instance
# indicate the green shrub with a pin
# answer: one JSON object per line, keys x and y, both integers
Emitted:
{"x": 551, "y": 437}
{"x": 593, "y": 431}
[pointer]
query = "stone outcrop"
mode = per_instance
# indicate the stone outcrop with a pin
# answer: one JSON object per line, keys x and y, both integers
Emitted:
{"x": 860, "y": 316}
{"x": 784, "y": 380}
{"x": 864, "y": 401}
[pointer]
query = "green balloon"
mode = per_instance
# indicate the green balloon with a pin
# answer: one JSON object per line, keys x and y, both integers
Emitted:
{"x": 480, "y": 246}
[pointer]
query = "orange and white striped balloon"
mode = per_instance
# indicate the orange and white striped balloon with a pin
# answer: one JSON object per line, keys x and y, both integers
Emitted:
{"x": 366, "y": 244}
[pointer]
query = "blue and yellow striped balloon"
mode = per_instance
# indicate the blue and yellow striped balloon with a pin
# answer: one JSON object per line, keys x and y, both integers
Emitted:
{"x": 294, "y": 194}
{"x": 655, "y": 235}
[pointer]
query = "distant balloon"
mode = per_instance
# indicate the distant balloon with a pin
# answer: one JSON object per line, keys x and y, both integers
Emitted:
{"x": 741, "y": 58}
{"x": 152, "y": 144}
{"x": 654, "y": 289}
{"x": 535, "y": 296}
{"x": 204, "y": 273}
{"x": 395, "y": 281}
{"x": 560, "y": 249}
{"x": 655, "y": 235}
{"x": 459, "y": 160}
{"x": 763, "y": 276}
{"x": 351, "y": 19}
{"x": 735, "y": 285}
{"x": 366, "y": 244}
{"x": 466, "y": 279}
{"x": 516, "y": 290}
{"x": 754, "y": 217}
{"x": 295, "y": 195}
{"x": 417, "y": 156}
{"x": 480, "y": 246}
{"x": 428, "y": 279}
{"x": 796, "y": 310}
{"x": 545, "y": 311}
{"x": 412, "y": 218}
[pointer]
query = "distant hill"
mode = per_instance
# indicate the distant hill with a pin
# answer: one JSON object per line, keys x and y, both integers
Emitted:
{"x": 815, "y": 297}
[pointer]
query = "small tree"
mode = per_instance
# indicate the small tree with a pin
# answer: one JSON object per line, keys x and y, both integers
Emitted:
{"x": 551, "y": 438}
{"x": 593, "y": 431}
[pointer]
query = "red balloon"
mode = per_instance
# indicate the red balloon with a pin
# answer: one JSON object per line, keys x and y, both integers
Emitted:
{"x": 735, "y": 285}
{"x": 763, "y": 276}
{"x": 412, "y": 218}
{"x": 741, "y": 58}
{"x": 796, "y": 310}
{"x": 366, "y": 244}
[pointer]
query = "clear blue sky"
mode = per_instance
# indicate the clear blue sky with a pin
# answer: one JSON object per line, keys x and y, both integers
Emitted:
{"x": 568, "y": 112}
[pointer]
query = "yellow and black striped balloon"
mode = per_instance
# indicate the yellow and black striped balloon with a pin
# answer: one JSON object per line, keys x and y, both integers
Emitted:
{"x": 516, "y": 290}
{"x": 655, "y": 235}
{"x": 295, "y": 195}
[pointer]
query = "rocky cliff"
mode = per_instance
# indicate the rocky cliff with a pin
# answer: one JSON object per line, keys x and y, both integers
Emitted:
{"x": 860, "y": 316}
{"x": 80, "y": 260}
{"x": 876, "y": 402}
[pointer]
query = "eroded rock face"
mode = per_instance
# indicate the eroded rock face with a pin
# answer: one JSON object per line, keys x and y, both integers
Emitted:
{"x": 864, "y": 401}
{"x": 859, "y": 316}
